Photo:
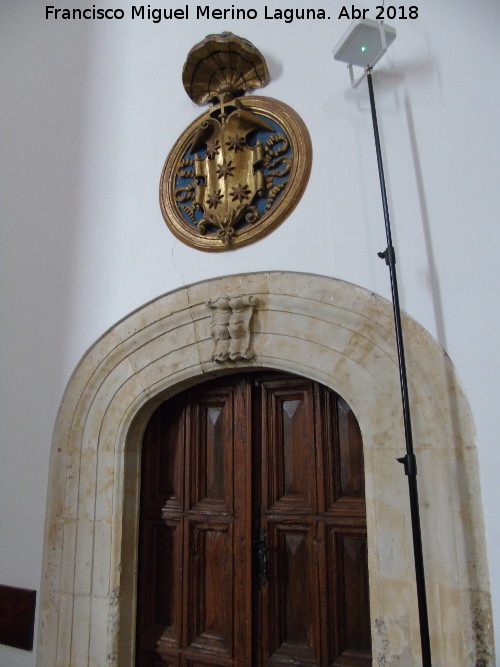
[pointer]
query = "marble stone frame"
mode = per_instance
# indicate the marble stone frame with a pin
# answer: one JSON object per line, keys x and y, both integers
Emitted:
{"x": 318, "y": 327}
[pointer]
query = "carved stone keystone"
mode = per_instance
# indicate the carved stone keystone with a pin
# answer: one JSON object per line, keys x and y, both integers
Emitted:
{"x": 231, "y": 317}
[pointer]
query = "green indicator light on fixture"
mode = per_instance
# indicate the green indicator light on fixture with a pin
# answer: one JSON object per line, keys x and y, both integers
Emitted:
{"x": 363, "y": 48}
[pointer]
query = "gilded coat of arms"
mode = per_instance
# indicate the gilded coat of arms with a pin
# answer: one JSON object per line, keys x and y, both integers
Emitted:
{"x": 240, "y": 168}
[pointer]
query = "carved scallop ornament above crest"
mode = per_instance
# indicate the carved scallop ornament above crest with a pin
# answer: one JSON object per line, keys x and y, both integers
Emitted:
{"x": 241, "y": 167}
{"x": 223, "y": 64}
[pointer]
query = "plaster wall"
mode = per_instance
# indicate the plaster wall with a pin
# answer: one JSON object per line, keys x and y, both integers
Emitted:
{"x": 89, "y": 113}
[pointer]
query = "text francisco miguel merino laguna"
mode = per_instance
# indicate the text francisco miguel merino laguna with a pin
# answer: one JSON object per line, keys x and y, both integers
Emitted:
{"x": 156, "y": 15}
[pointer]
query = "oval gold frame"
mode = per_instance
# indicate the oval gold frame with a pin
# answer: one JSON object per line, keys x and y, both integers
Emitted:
{"x": 300, "y": 140}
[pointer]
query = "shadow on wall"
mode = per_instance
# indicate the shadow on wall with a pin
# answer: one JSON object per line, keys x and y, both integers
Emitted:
{"x": 426, "y": 228}
{"x": 482, "y": 630}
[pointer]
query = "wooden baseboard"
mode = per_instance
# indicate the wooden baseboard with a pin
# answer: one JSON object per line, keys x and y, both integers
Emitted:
{"x": 17, "y": 617}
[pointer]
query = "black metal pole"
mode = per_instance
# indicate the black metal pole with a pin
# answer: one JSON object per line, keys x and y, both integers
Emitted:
{"x": 409, "y": 460}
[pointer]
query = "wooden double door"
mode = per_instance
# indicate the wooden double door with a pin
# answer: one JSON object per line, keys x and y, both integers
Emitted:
{"x": 252, "y": 545}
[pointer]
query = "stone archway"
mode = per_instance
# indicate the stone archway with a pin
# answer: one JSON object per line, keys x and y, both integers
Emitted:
{"x": 330, "y": 331}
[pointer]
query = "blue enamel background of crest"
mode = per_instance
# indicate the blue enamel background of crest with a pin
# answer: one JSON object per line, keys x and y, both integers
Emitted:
{"x": 252, "y": 139}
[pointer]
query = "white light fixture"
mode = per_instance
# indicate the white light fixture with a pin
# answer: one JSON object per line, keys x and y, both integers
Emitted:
{"x": 363, "y": 44}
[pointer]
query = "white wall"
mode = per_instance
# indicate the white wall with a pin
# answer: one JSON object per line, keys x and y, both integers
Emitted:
{"x": 91, "y": 109}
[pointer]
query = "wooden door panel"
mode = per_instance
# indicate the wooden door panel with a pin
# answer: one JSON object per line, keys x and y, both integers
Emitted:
{"x": 187, "y": 533}
{"x": 293, "y": 596}
{"x": 211, "y": 454}
{"x": 347, "y": 584}
{"x": 209, "y": 588}
{"x": 340, "y": 470}
{"x": 160, "y": 605}
{"x": 288, "y": 447}
{"x": 166, "y": 548}
{"x": 350, "y": 453}
{"x": 163, "y": 459}
{"x": 161, "y": 629}
{"x": 312, "y": 455}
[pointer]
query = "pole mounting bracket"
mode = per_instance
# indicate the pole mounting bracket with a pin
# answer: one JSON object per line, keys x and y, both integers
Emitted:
{"x": 389, "y": 254}
{"x": 410, "y": 463}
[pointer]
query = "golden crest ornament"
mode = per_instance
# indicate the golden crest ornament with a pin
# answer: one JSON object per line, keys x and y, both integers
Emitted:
{"x": 239, "y": 169}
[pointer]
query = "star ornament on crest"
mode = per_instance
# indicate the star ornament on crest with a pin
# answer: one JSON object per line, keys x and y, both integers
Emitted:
{"x": 225, "y": 169}
{"x": 213, "y": 148}
{"x": 214, "y": 199}
{"x": 240, "y": 192}
{"x": 235, "y": 143}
